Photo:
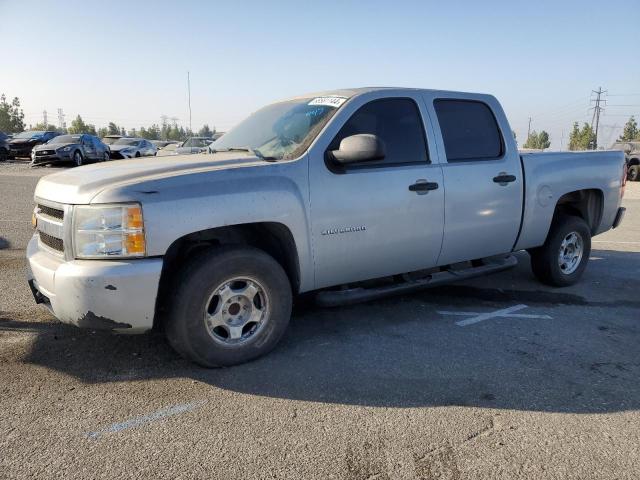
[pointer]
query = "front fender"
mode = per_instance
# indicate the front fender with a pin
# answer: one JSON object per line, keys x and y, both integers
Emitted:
{"x": 177, "y": 206}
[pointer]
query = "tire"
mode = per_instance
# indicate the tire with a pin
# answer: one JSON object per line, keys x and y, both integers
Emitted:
{"x": 546, "y": 262}
{"x": 77, "y": 158}
{"x": 633, "y": 174}
{"x": 106, "y": 157}
{"x": 4, "y": 155}
{"x": 137, "y": 154}
{"x": 196, "y": 306}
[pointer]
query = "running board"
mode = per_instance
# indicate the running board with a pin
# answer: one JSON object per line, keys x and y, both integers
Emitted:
{"x": 333, "y": 298}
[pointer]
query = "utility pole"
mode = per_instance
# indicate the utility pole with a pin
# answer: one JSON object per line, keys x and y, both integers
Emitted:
{"x": 44, "y": 119}
{"x": 529, "y": 130}
{"x": 562, "y": 141}
{"x": 189, "y": 95}
{"x": 596, "y": 114}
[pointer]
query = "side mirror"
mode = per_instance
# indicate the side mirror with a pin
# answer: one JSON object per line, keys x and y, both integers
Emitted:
{"x": 359, "y": 148}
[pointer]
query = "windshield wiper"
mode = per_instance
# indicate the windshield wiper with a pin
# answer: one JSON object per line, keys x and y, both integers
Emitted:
{"x": 255, "y": 151}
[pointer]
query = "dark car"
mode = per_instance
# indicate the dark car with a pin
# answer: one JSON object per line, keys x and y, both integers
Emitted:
{"x": 79, "y": 149}
{"x": 632, "y": 155}
{"x": 22, "y": 143}
{"x": 4, "y": 146}
{"x": 132, "y": 147}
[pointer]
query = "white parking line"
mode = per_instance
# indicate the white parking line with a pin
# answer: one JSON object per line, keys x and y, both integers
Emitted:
{"x": 137, "y": 421}
{"x": 504, "y": 313}
{"x": 612, "y": 241}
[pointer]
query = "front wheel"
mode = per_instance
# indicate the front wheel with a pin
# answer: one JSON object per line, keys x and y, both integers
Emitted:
{"x": 77, "y": 159}
{"x": 230, "y": 305}
{"x": 633, "y": 174}
{"x": 561, "y": 261}
{"x": 105, "y": 157}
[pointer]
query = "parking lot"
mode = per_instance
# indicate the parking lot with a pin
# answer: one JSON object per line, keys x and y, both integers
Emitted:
{"x": 497, "y": 377}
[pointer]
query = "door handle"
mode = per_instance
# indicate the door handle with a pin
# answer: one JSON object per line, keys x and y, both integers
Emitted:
{"x": 503, "y": 178}
{"x": 422, "y": 186}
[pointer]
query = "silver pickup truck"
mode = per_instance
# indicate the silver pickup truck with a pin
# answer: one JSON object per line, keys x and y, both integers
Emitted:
{"x": 355, "y": 194}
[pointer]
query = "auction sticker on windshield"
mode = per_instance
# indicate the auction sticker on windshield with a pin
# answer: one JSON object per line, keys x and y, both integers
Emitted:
{"x": 328, "y": 101}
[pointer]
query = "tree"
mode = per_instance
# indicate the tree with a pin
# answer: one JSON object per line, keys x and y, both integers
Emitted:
{"x": 581, "y": 139}
{"x": 113, "y": 129}
{"x": 103, "y": 132}
{"x": 538, "y": 140}
{"x": 48, "y": 127}
{"x": 630, "y": 131}
{"x": 11, "y": 115}
{"x": 78, "y": 126}
{"x": 205, "y": 131}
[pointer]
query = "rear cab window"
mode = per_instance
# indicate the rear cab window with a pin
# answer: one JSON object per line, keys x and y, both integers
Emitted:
{"x": 469, "y": 130}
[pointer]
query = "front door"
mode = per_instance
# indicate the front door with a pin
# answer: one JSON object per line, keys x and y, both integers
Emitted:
{"x": 370, "y": 220}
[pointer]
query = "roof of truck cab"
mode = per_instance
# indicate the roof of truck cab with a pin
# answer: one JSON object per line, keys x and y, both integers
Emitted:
{"x": 352, "y": 92}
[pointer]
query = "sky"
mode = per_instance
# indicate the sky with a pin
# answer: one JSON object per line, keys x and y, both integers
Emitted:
{"x": 127, "y": 61}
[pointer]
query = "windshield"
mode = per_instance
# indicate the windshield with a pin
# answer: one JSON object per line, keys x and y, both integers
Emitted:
{"x": 126, "y": 141}
{"x": 282, "y": 130}
{"x": 65, "y": 139}
{"x": 28, "y": 134}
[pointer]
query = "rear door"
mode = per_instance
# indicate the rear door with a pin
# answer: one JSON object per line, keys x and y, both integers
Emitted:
{"x": 482, "y": 177}
{"x": 367, "y": 220}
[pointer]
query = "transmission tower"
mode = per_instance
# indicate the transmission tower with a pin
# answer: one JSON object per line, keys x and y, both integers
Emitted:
{"x": 61, "y": 123}
{"x": 597, "y": 110}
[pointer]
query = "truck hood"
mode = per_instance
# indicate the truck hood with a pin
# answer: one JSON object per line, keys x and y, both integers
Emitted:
{"x": 81, "y": 184}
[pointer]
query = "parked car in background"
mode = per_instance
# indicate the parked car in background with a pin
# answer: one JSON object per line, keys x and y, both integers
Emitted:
{"x": 169, "y": 149}
{"x": 4, "y": 146}
{"x": 132, "y": 147}
{"x": 79, "y": 149}
{"x": 194, "y": 145}
{"x": 22, "y": 143}
{"x": 109, "y": 139}
{"x": 632, "y": 155}
{"x": 160, "y": 144}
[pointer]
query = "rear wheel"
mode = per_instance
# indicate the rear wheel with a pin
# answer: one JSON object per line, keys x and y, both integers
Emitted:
{"x": 137, "y": 154}
{"x": 4, "y": 155}
{"x": 230, "y": 305}
{"x": 77, "y": 159}
{"x": 561, "y": 261}
{"x": 633, "y": 174}
{"x": 105, "y": 157}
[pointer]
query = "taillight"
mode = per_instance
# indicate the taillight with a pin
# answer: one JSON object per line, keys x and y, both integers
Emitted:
{"x": 624, "y": 179}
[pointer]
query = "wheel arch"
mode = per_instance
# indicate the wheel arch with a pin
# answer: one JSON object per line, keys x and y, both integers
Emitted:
{"x": 587, "y": 204}
{"x": 274, "y": 238}
{"x": 633, "y": 161}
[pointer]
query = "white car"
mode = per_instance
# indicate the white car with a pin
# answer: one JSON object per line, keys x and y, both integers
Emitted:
{"x": 132, "y": 148}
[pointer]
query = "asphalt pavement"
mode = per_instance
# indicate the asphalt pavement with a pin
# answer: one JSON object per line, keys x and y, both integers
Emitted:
{"x": 498, "y": 377}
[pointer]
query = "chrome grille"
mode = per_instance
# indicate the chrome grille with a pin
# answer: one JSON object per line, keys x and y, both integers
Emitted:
{"x": 50, "y": 227}
{"x": 51, "y": 212}
{"x": 52, "y": 242}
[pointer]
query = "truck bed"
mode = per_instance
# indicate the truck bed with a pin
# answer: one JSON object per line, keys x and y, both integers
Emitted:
{"x": 550, "y": 175}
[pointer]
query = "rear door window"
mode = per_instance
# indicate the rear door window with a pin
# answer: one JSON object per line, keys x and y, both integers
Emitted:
{"x": 469, "y": 130}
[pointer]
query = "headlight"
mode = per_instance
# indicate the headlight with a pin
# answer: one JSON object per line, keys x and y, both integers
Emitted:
{"x": 66, "y": 149}
{"x": 108, "y": 231}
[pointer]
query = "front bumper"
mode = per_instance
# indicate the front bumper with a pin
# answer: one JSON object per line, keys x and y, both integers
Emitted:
{"x": 46, "y": 159}
{"x": 115, "y": 295}
{"x": 20, "y": 151}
